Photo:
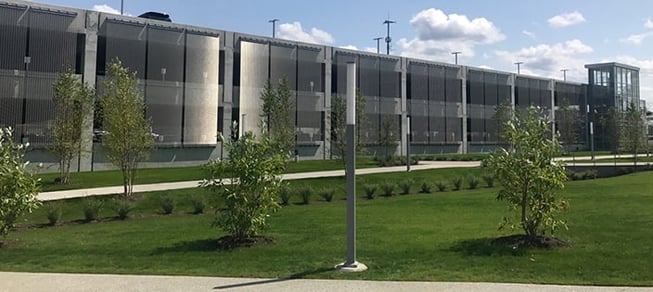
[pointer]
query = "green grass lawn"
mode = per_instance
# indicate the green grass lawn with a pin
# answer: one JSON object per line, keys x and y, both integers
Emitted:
{"x": 433, "y": 237}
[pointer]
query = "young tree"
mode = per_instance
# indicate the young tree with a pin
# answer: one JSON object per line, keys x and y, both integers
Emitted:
{"x": 634, "y": 137}
{"x": 277, "y": 113}
{"x": 528, "y": 175}
{"x": 73, "y": 101}
{"x": 612, "y": 129}
{"x": 502, "y": 114}
{"x": 338, "y": 123}
{"x": 18, "y": 187}
{"x": 254, "y": 171}
{"x": 388, "y": 134}
{"x": 129, "y": 139}
{"x": 568, "y": 120}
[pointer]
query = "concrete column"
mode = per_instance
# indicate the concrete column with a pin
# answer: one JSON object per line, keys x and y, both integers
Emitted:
{"x": 88, "y": 77}
{"x": 227, "y": 42}
{"x": 328, "y": 62}
{"x": 512, "y": 81}
{"x": 463, "y": 74}
{"x": 552, "y": 87}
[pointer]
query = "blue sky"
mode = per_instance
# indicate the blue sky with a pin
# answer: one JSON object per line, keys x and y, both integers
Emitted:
{"x": 546, "y": 36}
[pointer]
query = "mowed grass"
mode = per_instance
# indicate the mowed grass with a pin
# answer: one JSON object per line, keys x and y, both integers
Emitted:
{"x": 433, "y": 237}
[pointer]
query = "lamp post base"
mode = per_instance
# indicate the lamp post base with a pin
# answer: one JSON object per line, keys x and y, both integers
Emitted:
{"x": 354, "y": 267}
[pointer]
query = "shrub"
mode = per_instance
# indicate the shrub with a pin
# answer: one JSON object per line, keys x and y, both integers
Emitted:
{"x": 284, "y": 195}
{"x": 472, "y": 182}
{"x": 489, "y": 180}
{"x": 441, "y": 186}
{"x": 590, "y": 174}
{"x": 256, "y": 163}
{"x": 457, "y": 183}
{"x": 168, "y": 205}
{"x": 573, "y": 175}
{"x": 306, "y": 194}
{"x": 388, "y": 189}
{"x": 19, "y": 188}
{"x": 199, "y": 204}
{"x": 405, "y": 186}
{"x": 370, "y": 189}
{"x": 92, "y": 207}
{"x": 327, "y": 195}
{"x": 54, "y": 213}
{"x": 425, "y": 188}
{"x": 122, "y": 208}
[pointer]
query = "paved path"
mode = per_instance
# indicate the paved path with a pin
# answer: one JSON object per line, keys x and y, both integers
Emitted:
{"x": 57, "y": 195}
{"x": 47, "y": 196}
{"x": 23, "y": 282}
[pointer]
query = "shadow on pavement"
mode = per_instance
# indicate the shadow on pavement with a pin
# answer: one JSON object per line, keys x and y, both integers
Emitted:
{"x": 300, "y": 275}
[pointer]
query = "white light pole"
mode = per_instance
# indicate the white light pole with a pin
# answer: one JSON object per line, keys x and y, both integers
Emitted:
{"x": 408, "y": 144}
{"x": 591, "y": 124}
{"x": 592, "y": 139}
{"x": 351, "y": 265}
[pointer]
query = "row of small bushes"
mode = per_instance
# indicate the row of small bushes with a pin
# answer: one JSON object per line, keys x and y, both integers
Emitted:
{"x": 394, "y": 160}
{"x": 582, "y": 175}
{"x": 92, "y": 206}
{"x": 405, "y": 187}
{"x": 305, "y": 193}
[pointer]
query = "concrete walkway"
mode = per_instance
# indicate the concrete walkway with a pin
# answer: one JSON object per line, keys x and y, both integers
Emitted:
{"x": 47, "y": 196}
{"x": 57, "y": 195}
{"x": 23, "y": 282}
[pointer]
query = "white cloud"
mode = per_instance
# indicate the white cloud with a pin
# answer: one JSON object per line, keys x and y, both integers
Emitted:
{"x": 548, "y": 60}
{"x": 350, "y": 47}
{"x": 566, "y": 19}
{"x": 433, "y": 24}
{"x": 528, "y": 34}
{"x": 105, "y": 8}
{"x": 648, "y": 24}
{"x": 485, "y": 67}
{"x": 294, "y": 31}
{"x": 439, "y": 34}
{"x": 637, "y": 38}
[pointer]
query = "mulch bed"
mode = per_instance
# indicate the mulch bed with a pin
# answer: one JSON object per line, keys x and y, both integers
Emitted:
{"x": 521, "y": 240}
{"x": 229, "y": 242}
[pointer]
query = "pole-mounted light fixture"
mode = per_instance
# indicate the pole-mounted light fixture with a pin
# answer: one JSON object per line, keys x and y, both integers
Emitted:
{"x": 455, "y": 57}
{"x": 274, "y": 26}
{"x": 351, "y": 265}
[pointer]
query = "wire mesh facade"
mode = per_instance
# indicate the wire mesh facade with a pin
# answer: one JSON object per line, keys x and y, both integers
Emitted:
{"x": 198, "y": 81}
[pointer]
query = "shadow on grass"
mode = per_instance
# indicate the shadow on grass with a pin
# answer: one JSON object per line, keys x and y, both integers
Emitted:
{"x": 488, "y": 247}
{"x": 209, "y": 244}
{"x": 511, "y": 245}
{"x": 225, "y": 243}
{"x": 299, "y": 275}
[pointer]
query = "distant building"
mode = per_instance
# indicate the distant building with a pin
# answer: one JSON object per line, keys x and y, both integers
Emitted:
{"x": 197, "y": 81}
